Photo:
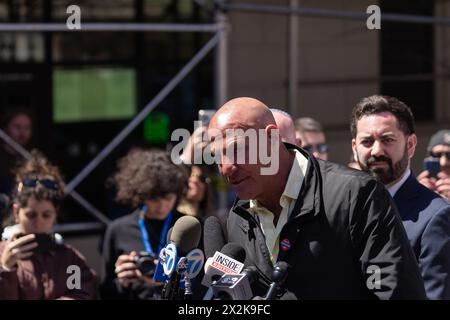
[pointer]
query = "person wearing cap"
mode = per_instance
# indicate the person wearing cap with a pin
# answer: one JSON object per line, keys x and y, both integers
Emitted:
{"x": 384, "y": 143}
{"x": 439, "y": 148}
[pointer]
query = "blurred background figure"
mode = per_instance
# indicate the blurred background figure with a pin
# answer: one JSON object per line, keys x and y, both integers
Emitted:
{"x": 312, "y": 137}
{"x": 437, "y": 176}
{"x": 34, "y": 263}
{"x": 286, "y": 126}
{"x": 198, "y": 201}
{"x": 18, "y": 124}
{"x": 208, "y": 193}
{"x": 149, "y": 182}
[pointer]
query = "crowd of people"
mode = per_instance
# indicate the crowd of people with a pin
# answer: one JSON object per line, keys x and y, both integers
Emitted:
{"x": 333, "y": 224}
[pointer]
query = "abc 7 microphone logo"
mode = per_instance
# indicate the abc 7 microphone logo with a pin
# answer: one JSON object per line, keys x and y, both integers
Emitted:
{"x": 195, "y": 260}
{"x": 171, "y": 257}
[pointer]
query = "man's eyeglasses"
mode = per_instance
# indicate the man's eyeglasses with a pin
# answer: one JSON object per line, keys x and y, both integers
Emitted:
{"x": 321, "y": 148}
{"x": 33, "y": 183}
{"x": 440, "y": 154}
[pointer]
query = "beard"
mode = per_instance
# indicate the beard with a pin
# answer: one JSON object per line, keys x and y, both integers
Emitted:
{"x": 385, "y": 175}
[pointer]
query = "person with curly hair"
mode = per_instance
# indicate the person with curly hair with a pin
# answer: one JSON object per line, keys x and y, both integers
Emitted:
{"x": 34, "y": 263}
{"x": 148, "y": 181}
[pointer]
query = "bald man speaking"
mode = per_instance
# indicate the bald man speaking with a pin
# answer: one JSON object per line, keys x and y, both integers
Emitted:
{"x": 337, "y": 229}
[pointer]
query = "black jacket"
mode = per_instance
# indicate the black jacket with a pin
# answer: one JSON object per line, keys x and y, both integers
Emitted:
{"x": 426, "y": 218}
{"x": 343, "y": 224}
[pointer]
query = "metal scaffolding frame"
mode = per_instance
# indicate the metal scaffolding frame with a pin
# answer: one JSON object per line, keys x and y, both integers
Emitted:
{"x": 75, "y": 195}
{"x": 220, "y": 29}
{"x": 219, "y": 36}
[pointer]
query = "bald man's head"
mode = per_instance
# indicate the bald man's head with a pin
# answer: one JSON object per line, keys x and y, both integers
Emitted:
{"x": 286, "y": 126}
{"x": 246, "y": 127}
{"x": 243, "y": 113}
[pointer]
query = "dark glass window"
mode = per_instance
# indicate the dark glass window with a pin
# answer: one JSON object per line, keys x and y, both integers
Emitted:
{"x": 407, "y": 57}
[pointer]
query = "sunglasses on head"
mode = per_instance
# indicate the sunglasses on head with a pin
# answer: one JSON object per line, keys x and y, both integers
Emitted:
{"x": 321, "y": 148}
{"x": 47, "y": 183}
{"x": 440, "y": 154}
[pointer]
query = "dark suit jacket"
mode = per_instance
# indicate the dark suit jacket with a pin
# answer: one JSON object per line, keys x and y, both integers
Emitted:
{"x": 426, "y": 218}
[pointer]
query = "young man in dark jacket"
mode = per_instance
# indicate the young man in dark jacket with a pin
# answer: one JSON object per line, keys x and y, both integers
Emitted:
{"x": 337, "y": 228}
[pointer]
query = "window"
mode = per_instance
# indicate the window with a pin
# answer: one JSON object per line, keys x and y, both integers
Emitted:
{"x": 407, "y": 57}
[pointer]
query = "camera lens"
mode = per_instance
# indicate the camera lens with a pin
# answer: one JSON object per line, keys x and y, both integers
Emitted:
{"x": 145, "y": 263}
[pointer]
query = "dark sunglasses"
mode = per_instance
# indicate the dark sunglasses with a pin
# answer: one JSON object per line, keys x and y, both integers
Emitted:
{"x": 47, "y": 183}
{"x": 440, "y": 154}
{"x": 321, "y": 148}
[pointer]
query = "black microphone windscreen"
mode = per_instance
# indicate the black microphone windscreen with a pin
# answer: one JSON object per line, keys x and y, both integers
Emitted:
{"x": 186, "y": 233}
{"x": 235, "y": 251}
{"x": 252, "y": 273}
{"x": 280, "y": 272}
{"x": 213, "y": 236}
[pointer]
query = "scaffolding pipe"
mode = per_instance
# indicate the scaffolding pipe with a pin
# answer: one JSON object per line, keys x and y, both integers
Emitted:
{"x": 77, "y": 197}
{"x": 221, "y": 61}
{"x": 330, "y": 13}
{"x": 144, "y": 112}
{"x": 104, "y": 26}
{"x": 293, "y": 65}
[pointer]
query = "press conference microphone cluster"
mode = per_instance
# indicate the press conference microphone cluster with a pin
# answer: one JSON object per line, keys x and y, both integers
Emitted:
{"x": 180, "y": 261}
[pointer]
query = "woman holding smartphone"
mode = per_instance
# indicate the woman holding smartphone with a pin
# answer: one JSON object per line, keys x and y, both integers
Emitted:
{"x": 32, "y": 264}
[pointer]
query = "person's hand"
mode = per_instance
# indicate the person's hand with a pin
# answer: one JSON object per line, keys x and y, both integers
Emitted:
{"x": 443, "y": 185}
{"x": 196, "y": 144}
{"x": 428, "y": 182}
{"x": 127, "y": 271}
{"x": 17, "y": 249}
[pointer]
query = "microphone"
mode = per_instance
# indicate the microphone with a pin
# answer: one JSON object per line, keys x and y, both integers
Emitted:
{"x": 185, "y": 237}
{"x": 213, "y": 236}
{"x": 188, "y": 268}
{"x": 229, "y": 260}
{"x": 159, "y": 275}
{"x": 279, "y": 276}
{"x": 236, "y": 286}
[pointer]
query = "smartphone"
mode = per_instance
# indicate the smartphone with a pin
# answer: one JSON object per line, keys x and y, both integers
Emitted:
{"x": 432, "y": 165}
{"x": 46, "y": 242}
{"x": 205, "y": 115}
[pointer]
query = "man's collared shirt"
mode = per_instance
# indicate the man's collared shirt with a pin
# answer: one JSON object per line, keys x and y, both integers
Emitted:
{"x": 287, "y": 202}
{"x": 394, "y": 188}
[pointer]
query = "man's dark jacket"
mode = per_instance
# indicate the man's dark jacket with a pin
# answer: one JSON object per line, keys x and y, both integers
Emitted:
{"x": 426, "y": 218}
{"x": 343, "y": 232}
